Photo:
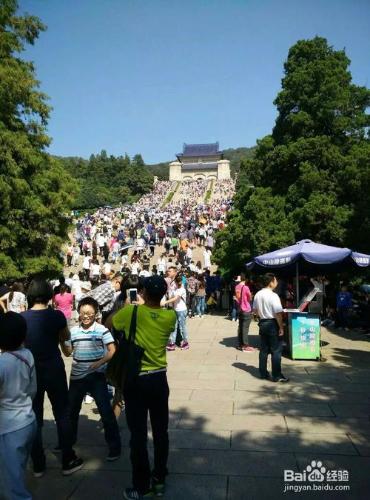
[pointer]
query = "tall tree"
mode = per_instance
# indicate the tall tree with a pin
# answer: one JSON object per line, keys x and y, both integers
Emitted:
{"x": 313, "y": 168}
{"x": 35, "y": 190}
{"x": 109, "y": 180}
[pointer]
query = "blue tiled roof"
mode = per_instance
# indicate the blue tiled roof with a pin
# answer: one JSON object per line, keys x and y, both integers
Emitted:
{"x": 200, "y": 149}
{"x": 199, "y": 166}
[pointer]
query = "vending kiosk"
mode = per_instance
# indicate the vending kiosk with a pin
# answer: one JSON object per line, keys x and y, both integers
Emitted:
{"x": 304, "y": 335}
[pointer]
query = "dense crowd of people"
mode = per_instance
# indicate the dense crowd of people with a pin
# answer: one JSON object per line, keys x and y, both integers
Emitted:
{"x": 119, "y": 259}
{"x": 223, "y": 190}
{"x": 132, "y": 279}
{"x": 158, "y": 194}
{"x": 87, "y": 319}
{"x": 191, "y": 191}
{"x": 127, "y": 237}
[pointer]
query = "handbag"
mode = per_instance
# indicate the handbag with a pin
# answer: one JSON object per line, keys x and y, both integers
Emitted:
{"x": 125, "y": 364}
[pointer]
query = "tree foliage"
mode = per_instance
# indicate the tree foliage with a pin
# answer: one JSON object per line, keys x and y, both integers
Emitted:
{"x": 160, "y": 170}
{"x": 310, "y": 177}
{"x": 108, "y": 180}
{"x": 35, "y": 190}
{"x": 237, "y": 156}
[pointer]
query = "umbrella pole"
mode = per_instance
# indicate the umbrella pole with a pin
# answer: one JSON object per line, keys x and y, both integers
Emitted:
{"x": 297, "y": 284}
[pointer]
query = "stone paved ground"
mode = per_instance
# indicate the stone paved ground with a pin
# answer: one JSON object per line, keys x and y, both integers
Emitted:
{"x": 232, "y": 434}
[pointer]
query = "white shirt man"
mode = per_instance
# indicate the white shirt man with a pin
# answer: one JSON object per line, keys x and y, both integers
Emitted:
{"x": 100, "y": 240}
{"x": 86, "y": 263}
{"x": 140, "y": 245}
{"x": 189, "y": 253}
{"x": 76, "y": 287}
{"x": 268, "y": 306}
{"x": 107, "y": 268}
{"x": 135, "y": 267}
{"x": 161, "y": 265}
{"x": 180, "y": 305}
{"x": 145, "y": 273}
{"x": 207, "y": 259}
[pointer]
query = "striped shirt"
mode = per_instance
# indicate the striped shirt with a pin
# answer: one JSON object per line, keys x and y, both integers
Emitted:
{"x": 88, "y": 346}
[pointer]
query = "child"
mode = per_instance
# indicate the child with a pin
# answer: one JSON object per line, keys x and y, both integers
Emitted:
{"x": 344, "y": 303}
{"x": 92, "y": 346}
{"x": 17, "y": 419}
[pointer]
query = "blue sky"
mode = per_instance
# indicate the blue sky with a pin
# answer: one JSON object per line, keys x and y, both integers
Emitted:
{"x": 145, "y": 76}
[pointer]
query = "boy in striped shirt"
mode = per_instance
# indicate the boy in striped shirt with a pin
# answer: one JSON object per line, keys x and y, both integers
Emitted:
{"x": 92, "y": 346}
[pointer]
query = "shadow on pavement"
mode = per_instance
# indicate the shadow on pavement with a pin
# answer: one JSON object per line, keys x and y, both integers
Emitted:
{"x": 252, "y": 370}
{"x": 352, "y": 334}
{"x": 238, "y": 456}
{"x": 253, "y": 339}
{"x": 235, "y": 444}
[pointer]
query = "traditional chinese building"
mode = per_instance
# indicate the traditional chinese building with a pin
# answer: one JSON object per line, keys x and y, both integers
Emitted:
{"x": 200, "y": 161}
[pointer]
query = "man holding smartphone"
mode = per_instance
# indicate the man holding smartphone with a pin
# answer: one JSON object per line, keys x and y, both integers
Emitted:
{"x": 133, "y": 295}
{"x": 267, "y": 306}
{"x": 149, "y": 391}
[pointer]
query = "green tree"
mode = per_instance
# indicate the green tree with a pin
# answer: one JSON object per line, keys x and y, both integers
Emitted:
{"x": 237, "y": 156}
{"x": 108, "y": 180}
{"x": 138, "y": 161}
{"x": 35, "y": 190}
{"x": 161, "y": 170}
{"x": 257, "y": 223}
{"x": 313, "y": 168}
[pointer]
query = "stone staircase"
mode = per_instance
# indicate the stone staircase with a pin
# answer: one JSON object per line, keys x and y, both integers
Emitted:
{"x": 209, "y": 192}
{"x": 173, "y": 194}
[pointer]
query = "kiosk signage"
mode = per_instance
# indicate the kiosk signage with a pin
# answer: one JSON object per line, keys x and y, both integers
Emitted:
{"x": 304, "y": 330}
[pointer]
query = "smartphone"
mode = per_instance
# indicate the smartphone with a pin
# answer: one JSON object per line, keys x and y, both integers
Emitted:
{"x": 132, "y": 294}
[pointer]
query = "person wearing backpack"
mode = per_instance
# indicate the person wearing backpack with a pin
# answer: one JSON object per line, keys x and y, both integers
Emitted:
{"x": 148, "y": 391}
{"x": 167, "y": 244}
{"x": 17, "y": 418}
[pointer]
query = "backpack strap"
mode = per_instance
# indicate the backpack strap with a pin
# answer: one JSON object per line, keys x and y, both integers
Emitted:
{"x": 20, "y": 357}
{"x": 132, "y": 334}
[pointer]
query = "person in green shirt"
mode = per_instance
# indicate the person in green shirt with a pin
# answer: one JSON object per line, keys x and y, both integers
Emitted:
{"x": 174, "y": 244}
{"x": 149, "y": 391}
